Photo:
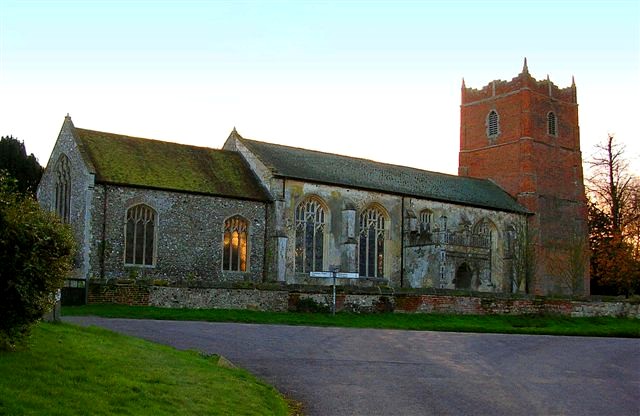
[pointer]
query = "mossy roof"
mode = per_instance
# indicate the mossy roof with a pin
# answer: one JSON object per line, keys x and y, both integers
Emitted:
{"x": 134, "y": 161}
{"x": 310, "y": 165}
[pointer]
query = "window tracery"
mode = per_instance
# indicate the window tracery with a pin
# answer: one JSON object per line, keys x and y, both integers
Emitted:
{"x": 371, "y": 243}
{"x": 62, "y": 198}
{"x": 310, "y": 224}
{"x": 426, "y": 218}
{"x": 140, "y": 235}
{"x": 234, "y": 257}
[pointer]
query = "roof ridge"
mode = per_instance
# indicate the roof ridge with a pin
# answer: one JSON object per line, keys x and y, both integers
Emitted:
{"x": 155, "y": 140}
{"x": 288, "y": 161}
{"x": 367, "y": 160}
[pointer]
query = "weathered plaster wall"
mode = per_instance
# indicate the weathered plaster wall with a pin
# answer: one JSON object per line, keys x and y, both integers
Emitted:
{"x": 433, "y": 256}
{"x": 82, "y": 182}
{"x": 189, "y": 235}
{"x": 428, "y": 262}
{"x": 336, "y": 244}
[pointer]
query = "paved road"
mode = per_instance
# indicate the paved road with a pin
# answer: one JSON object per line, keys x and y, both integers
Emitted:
{"x": 337, "y": 371}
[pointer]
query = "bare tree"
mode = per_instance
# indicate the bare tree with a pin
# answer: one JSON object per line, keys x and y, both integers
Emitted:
{"x": 614, "y": 218}
{"x": 569, "y": 265}
{"x": 612, "y": 185}
{"x": 523, "y": 260}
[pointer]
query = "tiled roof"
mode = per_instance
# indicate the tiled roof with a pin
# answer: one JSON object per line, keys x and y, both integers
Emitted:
{"x": 156, "y": 164}
{"x": 310, "y": 165}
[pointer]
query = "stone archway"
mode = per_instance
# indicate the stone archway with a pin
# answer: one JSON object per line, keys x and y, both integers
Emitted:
{"x": 464, "y": 275}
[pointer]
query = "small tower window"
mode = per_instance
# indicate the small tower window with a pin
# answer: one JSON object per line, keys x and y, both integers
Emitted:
{"x": 552, "y": 124}
{"x": 493, "y": 124}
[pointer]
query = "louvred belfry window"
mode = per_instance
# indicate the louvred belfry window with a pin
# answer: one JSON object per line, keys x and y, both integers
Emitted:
{"x": 552, "y": 123}
{"x": 493, "y": 126}
{"x": 234, "y": 256}
{"x": 310, "y": 223}
{"x": 140, "y": 236}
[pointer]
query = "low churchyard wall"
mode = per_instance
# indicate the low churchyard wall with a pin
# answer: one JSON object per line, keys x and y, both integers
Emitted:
{"x": 287, "y": 298}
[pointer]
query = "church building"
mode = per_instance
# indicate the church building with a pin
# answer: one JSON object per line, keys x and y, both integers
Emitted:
{"x": 253, "y": 211}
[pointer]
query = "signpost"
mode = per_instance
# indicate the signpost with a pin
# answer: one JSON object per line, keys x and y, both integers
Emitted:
{"x": 335, "y": 275}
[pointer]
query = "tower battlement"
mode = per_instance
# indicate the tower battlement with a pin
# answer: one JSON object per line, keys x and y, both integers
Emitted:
{"x": 522, "y": 81}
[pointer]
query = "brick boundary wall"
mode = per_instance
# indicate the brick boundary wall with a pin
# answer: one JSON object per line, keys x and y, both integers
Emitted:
{"x": 120, "y": 294}
{"x": 283, "y": 299}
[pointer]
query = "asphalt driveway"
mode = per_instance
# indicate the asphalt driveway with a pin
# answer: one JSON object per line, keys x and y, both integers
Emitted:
{"x": 339, "y": 371}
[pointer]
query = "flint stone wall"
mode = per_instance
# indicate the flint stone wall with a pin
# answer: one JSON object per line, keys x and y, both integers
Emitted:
{"x": 81, "y": 193}
{"x": 218, "y": 298}
{"x": 189, "y": 235}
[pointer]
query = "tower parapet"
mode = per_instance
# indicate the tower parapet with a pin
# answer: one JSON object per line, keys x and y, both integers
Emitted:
{"x": 523, "y": 80}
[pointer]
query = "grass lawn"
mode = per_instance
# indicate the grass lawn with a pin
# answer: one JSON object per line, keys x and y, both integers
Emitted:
{"x": 68, "y": 370}
{"x": 550, "y": 324}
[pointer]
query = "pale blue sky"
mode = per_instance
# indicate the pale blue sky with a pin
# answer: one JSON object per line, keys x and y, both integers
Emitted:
{"x": 379, "y": 80}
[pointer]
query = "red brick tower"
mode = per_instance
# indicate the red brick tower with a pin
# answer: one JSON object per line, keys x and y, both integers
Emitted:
{"x": 523, "y": 134}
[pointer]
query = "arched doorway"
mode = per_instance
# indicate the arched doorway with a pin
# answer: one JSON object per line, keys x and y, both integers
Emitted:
{"x": 463, "y": 276}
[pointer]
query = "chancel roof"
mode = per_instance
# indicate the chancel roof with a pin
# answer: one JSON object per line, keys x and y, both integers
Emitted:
{"x": 314, "y": 166}
{"x": 134, "y": 161}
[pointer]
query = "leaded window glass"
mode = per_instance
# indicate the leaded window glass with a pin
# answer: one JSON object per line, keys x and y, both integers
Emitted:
{"x": 310, "y": 224}
{"x": 140, "y": 236}
{"x": 234, "y": 257}
{"x": 371, "y": 243}
{"x": 62, "y": 199}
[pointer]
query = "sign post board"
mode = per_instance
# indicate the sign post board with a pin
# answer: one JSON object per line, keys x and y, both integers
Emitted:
{"x": 334, "y": 275}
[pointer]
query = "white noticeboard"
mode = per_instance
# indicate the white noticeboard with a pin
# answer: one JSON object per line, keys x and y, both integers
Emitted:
{"x": 347, "y": 275}
{"x": 320, "y": 274}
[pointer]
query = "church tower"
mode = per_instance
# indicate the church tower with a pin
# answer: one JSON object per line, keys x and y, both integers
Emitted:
{"x": 523, "y": 134}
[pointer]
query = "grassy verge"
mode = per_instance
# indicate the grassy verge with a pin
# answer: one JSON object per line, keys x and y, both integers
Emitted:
{"x": 77, "y": 371}
{"x": 549, "y": 325}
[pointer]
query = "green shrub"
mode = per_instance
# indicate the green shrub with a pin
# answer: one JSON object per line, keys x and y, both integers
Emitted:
{"x": 36, "y": 253}
{"x": 308, "y": 305}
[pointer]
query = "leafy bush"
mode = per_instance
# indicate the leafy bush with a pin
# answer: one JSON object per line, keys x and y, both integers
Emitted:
{"x": 36, "y": 252}
{"x": 25, "y": 169}
{"x": 309, "y": 305}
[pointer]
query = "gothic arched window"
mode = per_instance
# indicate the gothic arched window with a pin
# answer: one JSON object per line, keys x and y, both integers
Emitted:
{"x": 234, "y": 256}
{"x": 140, "y": 236}
{"x": 493, "y": 124}
{"x": 485, "y": 234}
{"x": 371, "y": 243}
{"x": 62, "y": 198}
{"x": 552, "y": 124}
{"x": 426, "y": 218}
{"x": 310, "y": 223}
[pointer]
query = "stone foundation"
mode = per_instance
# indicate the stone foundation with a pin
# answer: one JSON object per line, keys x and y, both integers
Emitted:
{"x": 283, "y": 299}
{"x": 216, "y": 298}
